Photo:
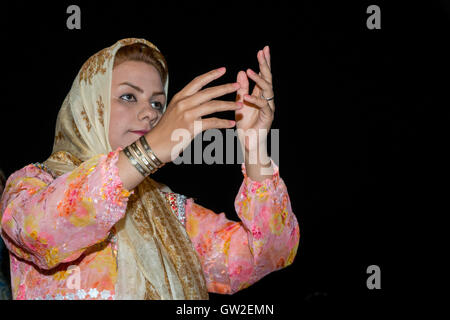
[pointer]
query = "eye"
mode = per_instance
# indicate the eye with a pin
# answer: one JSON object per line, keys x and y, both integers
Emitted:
{"x": 128, "y": 97}
{"x": 159, "y": 105}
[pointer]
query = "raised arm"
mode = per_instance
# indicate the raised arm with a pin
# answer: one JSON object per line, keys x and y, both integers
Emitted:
{"x": 235, "y": 255}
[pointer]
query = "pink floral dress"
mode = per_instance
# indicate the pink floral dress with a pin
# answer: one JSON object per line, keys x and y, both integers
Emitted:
{"x": 61, "y": 237}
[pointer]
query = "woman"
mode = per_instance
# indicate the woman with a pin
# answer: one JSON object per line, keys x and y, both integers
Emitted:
{"x": 89, "y": 222}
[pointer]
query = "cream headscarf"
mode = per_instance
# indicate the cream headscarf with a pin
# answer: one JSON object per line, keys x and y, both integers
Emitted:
{"x": 156, "y": 259}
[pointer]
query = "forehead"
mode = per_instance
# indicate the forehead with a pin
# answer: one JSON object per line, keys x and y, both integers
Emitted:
{"x": 137, "y": 72}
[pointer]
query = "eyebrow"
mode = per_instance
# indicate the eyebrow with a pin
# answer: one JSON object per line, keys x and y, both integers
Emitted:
{"x": 140, "y": 90}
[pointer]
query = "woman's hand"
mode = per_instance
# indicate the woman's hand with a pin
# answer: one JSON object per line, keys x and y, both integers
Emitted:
{"x": 186, "y": 107}
{"x": 257, "y": 113}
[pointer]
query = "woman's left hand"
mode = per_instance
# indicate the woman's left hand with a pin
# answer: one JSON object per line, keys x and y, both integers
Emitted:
{"x": 257, "y": 113}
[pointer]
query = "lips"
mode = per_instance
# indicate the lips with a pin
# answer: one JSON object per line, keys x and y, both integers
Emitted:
{"x": 140, "y": 132}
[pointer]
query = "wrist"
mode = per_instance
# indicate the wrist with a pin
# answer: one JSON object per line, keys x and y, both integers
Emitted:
{"x": 259, "y": 172}
{"x": 257, "y": 155}
{"x": 258, "y": 164}
{"x": 156, "y": 147}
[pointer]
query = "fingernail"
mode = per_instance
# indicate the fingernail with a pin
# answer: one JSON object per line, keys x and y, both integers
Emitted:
{"x": 222, "y": 69}
{"x": 240, "y": 104}
{"x": 232, "y": 123}
{"x": 251, "y": 71}
{"x": 236, "y": 85}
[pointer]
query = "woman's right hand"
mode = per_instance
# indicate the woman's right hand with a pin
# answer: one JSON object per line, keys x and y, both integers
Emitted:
{"x": 188, "y": 106}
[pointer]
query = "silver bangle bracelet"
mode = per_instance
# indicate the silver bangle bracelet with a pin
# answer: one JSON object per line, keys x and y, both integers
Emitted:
{"x": 150, "y": 152}
{"x": 149, "y": 164}
{"x": 134, "y": 162}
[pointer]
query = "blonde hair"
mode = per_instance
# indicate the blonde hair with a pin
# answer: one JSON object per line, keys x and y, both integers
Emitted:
{"x": 142, "y": 52}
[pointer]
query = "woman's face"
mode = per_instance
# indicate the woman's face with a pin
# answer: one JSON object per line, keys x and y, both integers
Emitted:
{"x": 137, "y": 102}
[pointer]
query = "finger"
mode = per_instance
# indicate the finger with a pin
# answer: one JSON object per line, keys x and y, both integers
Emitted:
{"x": 264, "y": 67}
{"x": 215, "y": 106}
{"x": 208, "y": 94}
{"x": 243, "y": 82}
{"x": 261, "y": 103}
{"x": 257, "y": 90}
{"x": 262, "y": 83}
{"x": 217, "y": 123}
{"x": 266, "y": 51}
{"x": 200, "y": 81}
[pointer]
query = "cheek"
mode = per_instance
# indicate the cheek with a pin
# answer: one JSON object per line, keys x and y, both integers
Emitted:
{"x": 119, "y": 121}
{"x": 120, "y": 115}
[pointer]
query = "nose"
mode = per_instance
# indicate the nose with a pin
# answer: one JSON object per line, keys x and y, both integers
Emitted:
{"x": 148, "y": 113}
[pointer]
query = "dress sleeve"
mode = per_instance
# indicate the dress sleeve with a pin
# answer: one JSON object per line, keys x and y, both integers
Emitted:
{"x": 235, "y": 255}
{"x": 48, "y": 221}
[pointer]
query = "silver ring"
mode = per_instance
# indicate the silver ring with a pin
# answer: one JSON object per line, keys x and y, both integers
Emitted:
{"x": 268, "y": 99}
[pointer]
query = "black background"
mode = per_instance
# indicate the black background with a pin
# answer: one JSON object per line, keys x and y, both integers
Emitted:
{"x": 352, "y": 107}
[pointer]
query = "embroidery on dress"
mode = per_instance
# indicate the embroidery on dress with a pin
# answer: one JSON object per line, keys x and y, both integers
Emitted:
{"x": 177, "y": 203}
{"x": 81, "y": 294}
{"x": 44, "y": 168}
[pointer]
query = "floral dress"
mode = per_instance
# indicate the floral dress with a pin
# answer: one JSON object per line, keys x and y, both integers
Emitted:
{"x": 5, "y": 293}
{"x": 62, "y": 241}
